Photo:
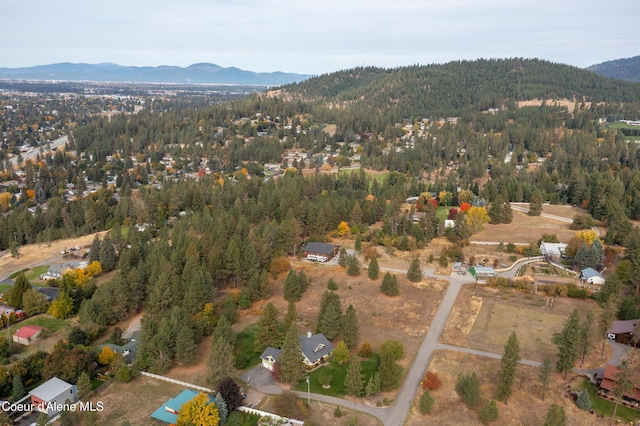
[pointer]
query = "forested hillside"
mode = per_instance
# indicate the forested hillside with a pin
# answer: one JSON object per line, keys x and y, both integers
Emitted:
{"x": 622, "y": 69}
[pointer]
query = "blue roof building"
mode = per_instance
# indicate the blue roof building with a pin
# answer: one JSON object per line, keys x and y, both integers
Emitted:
{"x": 168, "y": 413}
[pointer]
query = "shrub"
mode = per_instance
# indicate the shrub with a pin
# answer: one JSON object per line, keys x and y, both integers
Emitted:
{"x": 394, "y": 347}
{"x": 365, "y": 350}
{"x": 279, "y": 265}
{"x": 489, "y": 413}
{"x": 426, "y": 403}
{"x": 431, "y": 381}
{"x": 331, "y": 285}
{"x": 337, "y": 412}
{"x": 468, "y": 387}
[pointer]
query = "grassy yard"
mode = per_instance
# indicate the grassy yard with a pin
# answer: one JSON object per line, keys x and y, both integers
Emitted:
{"x": 43, "y": 320}
{"x": 605, "y": 407}
{"x": 4, "y": 287}
{"x": 245, "y": 353}
{"x": 34, "y": 273}
{"x": 338, "y": 373}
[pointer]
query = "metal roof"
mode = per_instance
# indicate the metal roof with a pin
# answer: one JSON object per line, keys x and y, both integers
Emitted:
{"x": 51, "y": 389}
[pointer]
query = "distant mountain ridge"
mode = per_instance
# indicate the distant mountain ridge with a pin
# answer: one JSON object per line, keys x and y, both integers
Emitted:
{"x": 622, "y": 69}
{"x": 201, "y": 73}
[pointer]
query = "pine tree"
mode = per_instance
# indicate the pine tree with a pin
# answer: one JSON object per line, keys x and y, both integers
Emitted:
{"x": 495, "y": 211}
{"x": 330, "y": 315}
{"x": 14, "y": 295}
{"x": 292, "y": 289}
{"x": 94, "y": 254}
{"x": 331, "y": 285}
{"x": 358, "y": 244}
{"x": 220, "y": 362}
{"x": 390, "y": 285}
{"x": 223, "y": 411}
{"x": 544, "y": 375}
{"x": 555, "y": 416}
{"x": 509, "y": 362}
{"x": 224, "y": 331}
{"x": 535, "y": 206}
{"x": 586, "y": 334}
{"x": 292, "y": 315}
{"x": 468, "y": 387}
{"x": 426, "y": 402}
{"x": 489, "y": 413}
{"x": 350, "y": 328}
{"x": 373, "y": 385}
{"x": 353, "y": 265}
{"x": 291, "y": 368}
{"x": 353, "y": 379}
{"x": 18, "y": 390}
{"x": 186, "y": 347}
{"x": 343, "y": 257}
{"x": 107, "y": 254}
{"x": 569, "y": 343}
{"x": 268, "y": 328}
{"x": 390, "y": 372}
{"x": 414, "y": 274}
{"x": 507, "y": 213}
{"x": 374, "y": 270}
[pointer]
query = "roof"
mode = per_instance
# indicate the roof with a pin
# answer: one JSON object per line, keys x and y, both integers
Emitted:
{"x": 50, "y": 293}
{"x": 590, "y": 273}
{"x": 27, "y": 331}
{"x": 315, "y": 347}
{"x": 552, "y": 249}
{"x": 50, "y": 389}
{"x": 609, "y": 380}
{"x": 321, "y": 248}
{"x": 621, "y": 327}
{"x": 164, "y": 413}
{"x": 272, "y": 352}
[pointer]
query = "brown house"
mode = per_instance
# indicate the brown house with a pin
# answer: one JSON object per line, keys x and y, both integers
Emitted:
{"x": 320, "y": 252}
{"x": 622, "y": 331}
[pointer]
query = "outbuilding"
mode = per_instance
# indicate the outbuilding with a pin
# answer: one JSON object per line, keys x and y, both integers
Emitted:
{"x": 52, "y": 394}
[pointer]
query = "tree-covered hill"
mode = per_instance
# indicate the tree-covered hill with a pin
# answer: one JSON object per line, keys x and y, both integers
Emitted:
{"x": 622, "y": 69}
{"x": 456, "y": 86}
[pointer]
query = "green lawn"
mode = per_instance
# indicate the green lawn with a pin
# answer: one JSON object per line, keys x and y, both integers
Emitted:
{"x": 4, "y": 287}
{"x": 34, "y": 273}
{"x": 16, "y": 273}
{"x": 42, "y": 320}
{"x": 605, "y": 407}
{"x": 338, "y": 372}
{"x": 245, "y": 353}
{"x": 96, "y": 383}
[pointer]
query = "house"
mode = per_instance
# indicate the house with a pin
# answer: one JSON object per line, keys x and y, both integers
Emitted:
{"x": 552, "y": 251}
{"x": 46, "y": 397}
{"x": 27, "y": 335}
{"x": 622, "y": 331}
{"x": 168, "y": 413}
{"x": 607, "y": 385}
{"x": 320, "y": 252}
{"x": 315, "y": 349}
{"x": 269, "y": 357}
{"x": 482, "y": 273}
{"x": 129, "y": 350}
{"x": 591, "y": 276}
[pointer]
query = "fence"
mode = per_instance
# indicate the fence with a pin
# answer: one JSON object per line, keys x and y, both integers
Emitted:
{"x": 177, "y": 382}
{"x": 282, "y": 420}
{"x": 519, "y": 263}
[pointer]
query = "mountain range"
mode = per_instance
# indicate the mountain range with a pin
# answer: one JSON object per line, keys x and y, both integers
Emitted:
{"x": 202, "y": 73}
{"x": 622, "y": 69}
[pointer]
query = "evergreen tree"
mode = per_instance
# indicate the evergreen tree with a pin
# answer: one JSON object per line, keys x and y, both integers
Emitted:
{"x": 353, "y": 379}
{"x": 223, "y": 411}
{"x": 586, "y": 334}
{"x": 292, "y": 315}
{"x": 186, "y": 347}
{"x": 390, "y": 285}
{"x": 353, "y": 265}
{"x": 330, "y": 315}
{"x": 544, "y": 375}
{"x": 389, "y": 371}
{"x": 373, "y": 385}
{"x": 94, "y": 254}
{"x": 83, "y": 385}
{"x": 584, "y": 401}
{"x": 107, "y": 254}
{"x": 468, "y": 387}
{"x": 507, "y": 374}
{"x": 18, "y": 390}
{"x": 581, "y": 259}
{"x": 223, "y": 331}
{"x": 495, "y": 212}
{"x": 292, "y": 289}
{"x": 623, "y": 384}
{"x": 535, "y": 206}
{"x": 343, "y": 257}
{"x": 13, "y": 296}
{"x": 350, "y": 328}
{"x": 414, "y": 274}
{"x": 374, "y": 270}
{"x": 304, "y": 281}
{"x": 268, "y": 328}
{"x": 555, "y": 416}
{"x": 331, "y": 285}
{"x": 358, "y": 244}
{"x": 291, "y": 368}
{"x": 426, "y": 402}
{"x": 569, "y": 343}
{"x": 507, "y": 213}
{"x": 489, "y": 413}
{"x": 220, "y": 361}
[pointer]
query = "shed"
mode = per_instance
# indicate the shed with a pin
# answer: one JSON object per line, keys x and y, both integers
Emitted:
{"x": 591, "y": 276}
{"x": 49, "y": 395}
{"x": 27, "y": 334}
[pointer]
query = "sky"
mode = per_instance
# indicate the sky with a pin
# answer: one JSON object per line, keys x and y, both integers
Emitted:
{"x": 315, "y": 37}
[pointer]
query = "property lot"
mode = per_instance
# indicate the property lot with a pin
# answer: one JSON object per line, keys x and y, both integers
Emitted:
{"x": 449, "y": 410}
{"x": 527, "y": 229}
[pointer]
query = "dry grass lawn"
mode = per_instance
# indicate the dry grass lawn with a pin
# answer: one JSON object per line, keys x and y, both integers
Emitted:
{"x": 322, "y": 414}
{"x": 448, "y": 409}
{"x": 485, "y": 320}
{"x": 527, "y": 229}
{"x": 134, "y": 401}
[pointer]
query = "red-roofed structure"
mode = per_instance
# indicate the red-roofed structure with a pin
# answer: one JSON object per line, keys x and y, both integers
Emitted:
{"x": 608, "y": 383}
{"x": 27, "y": 334}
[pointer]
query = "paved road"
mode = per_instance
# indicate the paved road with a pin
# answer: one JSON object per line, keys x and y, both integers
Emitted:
{"x": 55, "y": 144}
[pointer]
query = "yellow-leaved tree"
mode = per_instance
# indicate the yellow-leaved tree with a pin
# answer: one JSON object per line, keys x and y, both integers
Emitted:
{"x": 94, "y": 268}
{"x": 587, "y": 235}
{"x": 476, "y": 218}
{"x": 343, "y": 229}
{"x": 200, "y": 411}
{"x": 106, "y": 356}
{"x": 62, "y": 307}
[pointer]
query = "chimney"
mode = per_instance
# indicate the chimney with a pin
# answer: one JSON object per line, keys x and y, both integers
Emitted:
{"x": 309, "y": 334}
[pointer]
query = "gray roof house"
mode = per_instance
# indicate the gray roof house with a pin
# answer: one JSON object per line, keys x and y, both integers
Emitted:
{"x": 324, "y": 249}
{"x": 48, "y": 395}
{"x": 315, "y": 348}
{"x": 269, "y": 357}
{"x": 591, "y": 276}
{"x": 129, "y": 350}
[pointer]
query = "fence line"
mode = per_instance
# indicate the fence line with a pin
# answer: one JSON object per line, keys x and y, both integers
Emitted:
{"x": 277, "y": 418}
{"x": 521, "y": 262}
{"x": 177, "y": 382}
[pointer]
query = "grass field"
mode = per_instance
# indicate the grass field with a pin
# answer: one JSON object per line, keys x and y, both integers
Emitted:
{"x": 4, "y": 287}
{"x": 338, "y": 373}
{"x": 34, "y": 273}
{"x": 605, "y": 408}
{"x": 42, "y": 320}
{"x": 246, "y": 355}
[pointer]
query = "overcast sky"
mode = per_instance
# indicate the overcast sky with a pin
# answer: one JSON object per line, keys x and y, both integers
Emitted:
{"x": 315, "y": 37}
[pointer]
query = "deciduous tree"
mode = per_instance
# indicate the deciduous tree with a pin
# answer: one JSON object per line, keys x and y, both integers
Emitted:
{"x": 230, "y": 392}
{"x": 477, "y": 217}
{"x": 200, "y": 411}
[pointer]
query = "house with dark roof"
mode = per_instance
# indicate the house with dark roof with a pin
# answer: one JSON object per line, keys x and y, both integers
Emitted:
{"x": 51, "y": 293}
{"x": 168, "y": 412}
{"x": 129, "y": 350}
{"x": 591, "y": 276}
{"x": 51, "y": 394}
{"x": 622, "y": 331}
{"x": 320, "y": 252}
{"x": 315, "y": 349}
{"x": 269, "y": 357}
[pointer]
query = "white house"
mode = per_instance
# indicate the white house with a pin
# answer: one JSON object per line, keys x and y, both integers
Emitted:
{"x": 50, "y": 394}
{"x": 552, "y": 250}
{"x": 591, "y": 276}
